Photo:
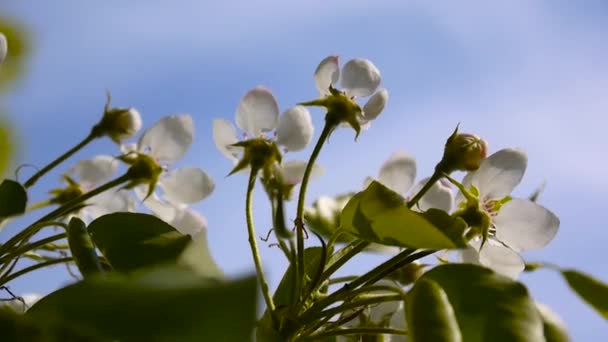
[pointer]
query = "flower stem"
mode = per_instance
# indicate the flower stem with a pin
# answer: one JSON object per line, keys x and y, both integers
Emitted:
{"x": 33, "y": 179}
{"x": 32, "y": 246}
{"x": 355, "y": 331}
{"x": 64, "y": 209}
{"x": 301, "y": 202}
{"x": 254, "y": 245}
{"x": 437, "y": 175}
{"x": 33, "y": 268}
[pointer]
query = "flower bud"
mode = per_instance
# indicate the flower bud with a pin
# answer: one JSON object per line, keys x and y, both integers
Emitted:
{"x": 3, "y": 47}
{"x": 118, "y": 123}
{"x": 408, "y": 273}
{"x": 463, "y": 152}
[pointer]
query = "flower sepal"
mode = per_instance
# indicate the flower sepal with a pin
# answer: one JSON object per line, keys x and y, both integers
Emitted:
{"x": 143, "y": 170}
{"x": 259, "y": 154}
{"x": 340, "y": 109}
{"x": 63, "y": 195}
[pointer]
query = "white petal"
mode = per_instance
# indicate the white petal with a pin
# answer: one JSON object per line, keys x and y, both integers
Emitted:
{"x": 496, "y": 256}
{"x": 295, "y": 128}
{"x": 128, "y": 148}
{"x": 327, "y": 208}
{"x": 21, "y": 305}
{"x": 382, "y": 312}
{"x": 186, "y": 185}
{"x": 169, "y": 138}
{"x": 3, "y": 47}
{"x": 524, "y": 225}
{"x": 375, "y": 104}
{"x": 258, "y": 111}
{"x": 327, "y": 73}
{"x": 360, "y": 77}
{"x": 293, "y": 171}
{"x": 164, "y": 211}
{"x": 188, "y": 221}
{"x": 439, "y": 196}
{"x": 224, "y": 135}
{"x": 111, "y": 201}
{"x": 95, "y": 170}
{"x": 398, "y": 322}
{"x": 500, "y": 173}
{"x": 398, "y": 172}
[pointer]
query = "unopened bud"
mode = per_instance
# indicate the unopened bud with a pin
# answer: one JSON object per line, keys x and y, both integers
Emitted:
{"x": 118, "y": 123}
{"x": 407, "y": 274}
{"x": 3, "y": 47}
{"x": 463, "y": 152}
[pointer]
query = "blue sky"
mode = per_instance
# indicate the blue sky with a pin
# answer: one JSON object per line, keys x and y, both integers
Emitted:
{"x": 519, "y": 73}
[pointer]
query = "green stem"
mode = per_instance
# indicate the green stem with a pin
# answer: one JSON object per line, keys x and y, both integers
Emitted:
{"x": 347, "y": 253}
{"x": 32, "y": 246}
{"x": 32, "y": 180}
{"x": 38, "y": 205}
{"x": 301, "y": 202}
{"x": 437, "y": 175}
{"x": 338, "y": 280}
{"x": 379, "y": 272}
{"x": 33, "y": 268}
{"x": 254, "y": 245}
{"x": 355, "y": 331}
{"x": 64, "y": 209}
{"x": 368, "y": 300}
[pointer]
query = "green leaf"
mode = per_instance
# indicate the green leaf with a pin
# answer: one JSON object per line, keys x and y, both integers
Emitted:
{"x": 488, "y": 306}
{"x": 82, "y": 248}
{"x": 553, "y": 327}
{"x": 284, "y": 296}
{"x": 430, "y": 315}
{"x": 591, "y": 290}
{"x": 132, "y": 241}
{"x": 13, "y": 199}
{"x": 180, "y": 308}
{"x": 380, "y": 215}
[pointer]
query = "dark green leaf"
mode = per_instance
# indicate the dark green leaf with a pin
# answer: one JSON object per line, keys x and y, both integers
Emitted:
{"x": 430, "y": 315}
{"x": 82, "y": 248}
{"x": 13, "y": 199}
{"x": 488, "y": 306}
{"x": 591, "y": 290}
{"x": 380, "y": 215}
{"x": 179, "y": 308}
{"x": 131, "y": 241}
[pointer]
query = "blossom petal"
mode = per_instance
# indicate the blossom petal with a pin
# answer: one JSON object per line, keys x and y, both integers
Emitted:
{"x": 224, "y": 135}
{"x": 3, "y": 47}
{"x": 295, "y": 128}
{"x": 169, "y": 138}
{"x": 375, "y": 105}
{"x": 186, "y": 185}
{"x": 439, "y": 196}
{"x": 111, "y": 201}
{"x": 360, "y": 77}
{"x": 258, "y": 111}
{"x": 524, "y": 225}
{"x": 164, "y": 211}
{"x": 190, "y": 222}
{"x": 500, "y": 173}
{"x": 496, "y": 256}
{"x": 398, "y": 172}
{"x": 95, "y": 170}
{"x": 293, "y": 171}
{"x": 326, "y": 74}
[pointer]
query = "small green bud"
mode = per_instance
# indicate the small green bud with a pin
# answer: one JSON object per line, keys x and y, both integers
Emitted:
{"x": 259, "y": 154}
{"x": 143, "y": 170}
{"x": 64, "y": 195}
{"x": 407, "y": 274}
{"x": 463, "y": 152}
{"x": 340, "y": 109}
{"x": 118, "y": 123}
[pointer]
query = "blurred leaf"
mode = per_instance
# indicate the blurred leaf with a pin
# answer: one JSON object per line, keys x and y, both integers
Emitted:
{"x": 284, "y": 295}
{"x": 430, "y": 316}
{"x": 132, "y": 241}
{"x": 591, "y": 290}
{"x": 180, "y": 308}
{"x": 18, "y": 50}
{"x": 7, "y": 144}
{"x": 13, "y": 199}
{"x": 553, "y": 327}
{"x": 380, "y": 215}
{"x": 82, "y": 248}
{"x": 488, "y": 306}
